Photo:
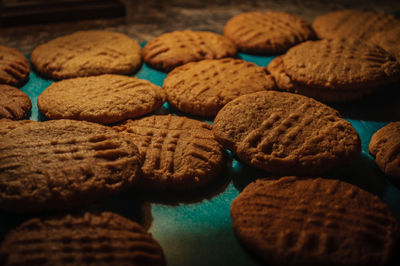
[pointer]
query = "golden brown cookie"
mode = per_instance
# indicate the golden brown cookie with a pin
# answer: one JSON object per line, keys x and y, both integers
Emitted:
{"x": 388, "y": 40}
{"x": 180, "y": 47}
{"x": 14, "y": 104}
{"x": 81, "y": 239}
{"x": 87, "y": 53}
{"x": 204, "y": 87}
{"x": 284, "y": 133}
{"x": 6, "y": 125}
{"x": 266, "y": 33}
{"x": 352, "y": 24}
{"x": 61, "y": 164}
{"x": 14, "y": 67}
{"x": 340, "y": 65}
{"x": 385, "y": 147}
{"x": 179, "y": 153}
{"x": 293, "y": 221}
{"x": 101, "y": 99}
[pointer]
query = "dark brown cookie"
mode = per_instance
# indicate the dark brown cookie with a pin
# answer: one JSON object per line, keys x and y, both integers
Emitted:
{"x": 266, "y": 33}
{"x": 352, "y": 24}
{"x": 14, "y": 104}
{"x": 81, "y": 239}
{"x": 385, "y": 147}
{"x": 285, "y": 133}
{"x": 14, "y": 67}
{"x": 179, "y": 153}
{"x": 101, "y": 99}
{"x": 6, "y": 125}
{"x": 388, "y": 40}
{"x": 63, "y": 163}
{"x": 204, "y": 87}
{"x": 87, "y": 53}
{"x": 180, "y": 47}
{"x": 293, "y": 221}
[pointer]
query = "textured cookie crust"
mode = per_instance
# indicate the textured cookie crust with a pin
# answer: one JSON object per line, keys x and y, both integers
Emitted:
{"x": 353, "y": 24}
{"x": 14, "y": 67}
{"x": 81, "y": 239}
{"x": 293, "y": 221}
{"x": 6, "y": 125}
{"x": 180, "y": 47}
{"x": 340, "y": 64}
{"x": 63, "y": 163}
{"x": 285, "y": 83}
{"x": 266, "y": 33}
{"x": 87, "y": 53}
{"x": 101, "y": 99}
{"x": 385, "y": 147}
{"x": 388, "y": 40}
{"x": 285, "y": 133}
{"x": 204, "y": 87}
{"x": 14, "y": 104}
{"x": 179, "y": 153}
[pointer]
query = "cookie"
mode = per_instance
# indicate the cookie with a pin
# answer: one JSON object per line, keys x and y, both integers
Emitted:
{"x": 340, "y": 65}
{"x": 293, "y": 221}
{"x": 101, "y": 99}
{"x": 179, "y": 153}
{"x": 285, "y": 83}
{"x": 14, "y": 67}
{"x": 284, "y": 133}
{"x": 354, "y": 24}
{"x": 267, "y": 33}
{"x": 388, "y": 40}
{"x": 81, "y": 239}
{"x": 14, "y": 104}
{"x": 6, "y": 125}
{"x": 204, "y": 87}
{"x": 180, "y": 47}
{"x": 87, "y": 53}
{"x": 385, "y": 147}
{"x": 62, "y": 164}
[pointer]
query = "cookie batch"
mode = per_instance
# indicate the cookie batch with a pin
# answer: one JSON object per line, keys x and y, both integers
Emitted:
{"x": 106, "y": 133}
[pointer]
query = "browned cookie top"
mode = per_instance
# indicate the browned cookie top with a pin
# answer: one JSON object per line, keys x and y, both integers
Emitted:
{"x": 293, "y": 221}
{"x": 340, "y": 64}
{"x": 389, "y": 40}
{"x": 101, "y": 99}
{"x": 385, "y": 146}
{"x": 6, "y": 125}
{"x": 269, "y": 32}
{"x": 282, "y": 80}
{"x": 63, "y": 163}
{"x": 353, "y": 24}
{"x": 204, "y": 87}
{"x": 81, "y": 239}
{"x": 179, "y": 153}
{"x": 286, "y": 133}
{"x": 87, "y": 53}
{"x": 14, "y": 67}
{"x": 14, "y": 104}
{"x": 180, "y": 47}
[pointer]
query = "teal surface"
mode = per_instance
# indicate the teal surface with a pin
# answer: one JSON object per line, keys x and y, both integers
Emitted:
{"x": 196, "y": 229}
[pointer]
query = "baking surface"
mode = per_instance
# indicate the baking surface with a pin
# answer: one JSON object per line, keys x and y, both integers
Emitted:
{"x": 196, "y": 229}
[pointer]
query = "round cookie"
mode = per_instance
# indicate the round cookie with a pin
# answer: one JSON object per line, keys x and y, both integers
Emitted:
{"x": 284, "y": 133}
{"x": 204, "y": 87}
{"x": 6, "y": 125}
{"x": 180, "y": 47}
{"x": 389, "y": 40}
{"x": 340, "y": 65}
{"x": 81, "y": 239}
{"x": 14, "y": 104}
{"x": 267, "y": 33}
{"x": 87, "y": 53}
{"x": 293, "y": 221}
{"x": 352, "y": 24}
{"x": 385, "y": 147}
{"x": 101, "y": 99}
{"x": 179, "y": 153}
{"x": 62, "y": 164}
{"x": 14, "y": 67}
{"x": 285, "y": 83}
